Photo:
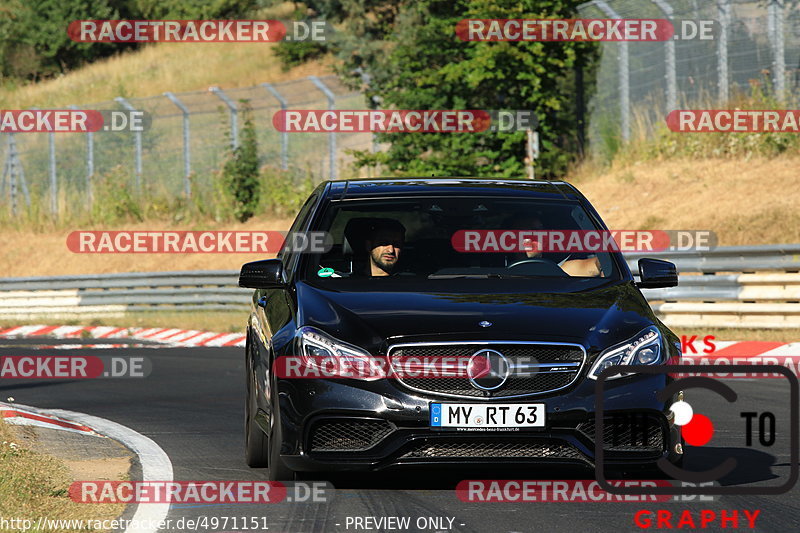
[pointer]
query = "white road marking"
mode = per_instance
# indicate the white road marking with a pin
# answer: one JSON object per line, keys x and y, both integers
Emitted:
{"x": 155, "y": 463}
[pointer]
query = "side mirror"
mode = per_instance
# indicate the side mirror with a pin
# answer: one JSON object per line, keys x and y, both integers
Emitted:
{"x": 265, "y": 274}
{"x": 655, "y": 274}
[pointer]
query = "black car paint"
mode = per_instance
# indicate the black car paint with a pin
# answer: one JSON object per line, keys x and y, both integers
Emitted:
{"x": 374, "y": 313}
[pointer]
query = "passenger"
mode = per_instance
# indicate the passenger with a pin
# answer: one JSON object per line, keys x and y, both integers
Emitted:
{"x": 385, "y": 240}
{"x": 586, "y": 267}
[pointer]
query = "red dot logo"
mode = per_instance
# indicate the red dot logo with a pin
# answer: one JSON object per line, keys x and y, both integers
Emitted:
{"x": 697, "y": 429}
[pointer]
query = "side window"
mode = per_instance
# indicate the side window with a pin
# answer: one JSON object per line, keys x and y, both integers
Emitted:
{"x": 289, "y": 259}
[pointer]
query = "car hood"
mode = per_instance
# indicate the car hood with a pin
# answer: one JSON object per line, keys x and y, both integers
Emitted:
{"x": 593, "y": 312}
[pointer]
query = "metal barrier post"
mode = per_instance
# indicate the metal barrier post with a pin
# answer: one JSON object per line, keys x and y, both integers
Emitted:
{"x": 332, "y": 135}
{"x": 137, "y": 139}
{"x": 233, "y": 111}
{"x": 284, "y": 135}
{"x": 187, "y": 167}
{"x": 624, "y": 80}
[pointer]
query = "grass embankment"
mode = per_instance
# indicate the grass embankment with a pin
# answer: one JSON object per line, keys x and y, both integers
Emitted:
{"x": 159, "y": 67}
{"x": 34, "y": 485}
{"x": 744, "y": 200}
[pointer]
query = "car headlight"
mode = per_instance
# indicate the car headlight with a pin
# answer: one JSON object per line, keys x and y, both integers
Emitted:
{"x": 643, "y": 349}
{"x": 333, "y": 358}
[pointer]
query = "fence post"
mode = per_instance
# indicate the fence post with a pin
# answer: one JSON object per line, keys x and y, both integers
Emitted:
{"x": 284, "y": 134}
{"x": 137, "y": 140}
{"x": 723, "y": 83}
{"x": 89, "y": 162}
{"x": 53, "y": 180}
{"x": 10, "y": 174}
{"x": 3, "y": 177}
{"x": 669, "y": 55}
{"x": 187, "y": 166}
{"x": 51, "y": 155}
{"x": 624, "y": 79}
{"x": 332, "y": 135}
{"x": 775, "y": 31}
{"x": 233, "y": 111}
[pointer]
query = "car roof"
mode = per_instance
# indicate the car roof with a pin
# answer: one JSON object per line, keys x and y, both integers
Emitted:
{"x": 394, "y": 187}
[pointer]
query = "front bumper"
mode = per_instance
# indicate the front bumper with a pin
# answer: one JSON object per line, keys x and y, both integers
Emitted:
{"x": 330, "y": 425}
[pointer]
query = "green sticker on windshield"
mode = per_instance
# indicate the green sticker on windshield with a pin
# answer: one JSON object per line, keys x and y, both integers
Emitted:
{"x": 325, "y": 272}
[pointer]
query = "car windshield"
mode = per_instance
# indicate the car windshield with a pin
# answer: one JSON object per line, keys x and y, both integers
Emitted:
{"x": 458, "y": 238}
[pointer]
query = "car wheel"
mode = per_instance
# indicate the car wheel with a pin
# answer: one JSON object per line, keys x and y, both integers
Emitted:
{"x": 278, "y": 471}
{"x": 256, "y": 450}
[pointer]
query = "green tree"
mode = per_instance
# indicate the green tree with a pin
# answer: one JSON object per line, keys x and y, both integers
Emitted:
{"x": 34, "y": 40}
{"x": 428, "y": 67}
{"x": 192, "y": 9}
{"x": 240, "y": 177}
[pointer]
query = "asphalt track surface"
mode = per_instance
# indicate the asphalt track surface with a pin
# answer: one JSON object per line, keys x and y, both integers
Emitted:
{"x": 192, "y": 406}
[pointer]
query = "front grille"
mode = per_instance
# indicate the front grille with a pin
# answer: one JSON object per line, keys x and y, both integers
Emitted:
{"x": 476, "y": 449}
{"x": 639, "y": 433}
{"x": 348, "y": 435}
{"x": 539, "y": 382}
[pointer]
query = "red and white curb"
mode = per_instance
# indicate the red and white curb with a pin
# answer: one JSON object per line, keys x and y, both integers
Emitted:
{"x": 18, "y": 416}
{"x": 155, "y": 463}
{"x": 166, "y": 336}
{"x": 747, "y": 349}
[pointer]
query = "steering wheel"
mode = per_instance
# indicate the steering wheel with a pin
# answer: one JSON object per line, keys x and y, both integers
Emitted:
{"x": 525, "y": 261}
{"x": 553, "y": 268}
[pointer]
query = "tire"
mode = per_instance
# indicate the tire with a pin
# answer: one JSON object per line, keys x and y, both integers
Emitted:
{"x": 256, "y": 445}
{"x": 256, "y": 448}
{"x": 278, "y": 471}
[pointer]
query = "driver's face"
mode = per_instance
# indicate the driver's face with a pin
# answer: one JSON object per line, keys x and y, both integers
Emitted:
{"x": 530, "y": 245}
{"x": 384, "y": 251}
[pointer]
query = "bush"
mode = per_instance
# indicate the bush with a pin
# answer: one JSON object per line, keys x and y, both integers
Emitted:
{"x": 239, "y": 178}
{"x": 113, "y": 201}
{"x": 285, "y": 190}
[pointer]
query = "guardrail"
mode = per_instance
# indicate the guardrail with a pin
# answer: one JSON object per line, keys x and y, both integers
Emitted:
{"x": 738, "y": 286}
{"x": 729, "y": 259}
{"x": 113, "y": 295}
{"x": 733, "y": 286}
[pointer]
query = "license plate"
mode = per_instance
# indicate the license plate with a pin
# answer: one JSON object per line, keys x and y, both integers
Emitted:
{"x": 498, "y": 415}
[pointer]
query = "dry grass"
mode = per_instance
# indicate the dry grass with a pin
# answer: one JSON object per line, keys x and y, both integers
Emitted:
{"x": 161, "y": 67}
{"x": 751, "y": 201}
{"x": 31, "y": 253}
{"x": 34, "y": 485}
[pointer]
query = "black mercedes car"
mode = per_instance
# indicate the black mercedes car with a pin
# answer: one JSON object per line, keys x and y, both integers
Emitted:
{"x": 485, "y": 356}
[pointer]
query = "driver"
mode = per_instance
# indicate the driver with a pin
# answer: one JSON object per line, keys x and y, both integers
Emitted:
{"x": 384, "y": 244}
{"x": 588, "y": 267}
